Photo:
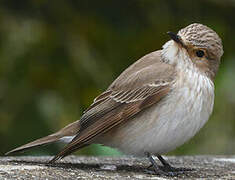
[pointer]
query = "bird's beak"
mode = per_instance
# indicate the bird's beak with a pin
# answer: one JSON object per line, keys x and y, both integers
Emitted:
{"x": 175, "y": 37}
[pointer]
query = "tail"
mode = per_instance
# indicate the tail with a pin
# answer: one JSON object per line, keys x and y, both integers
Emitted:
{"x": 42, "y": 141}
{"x": 69, "y": 130}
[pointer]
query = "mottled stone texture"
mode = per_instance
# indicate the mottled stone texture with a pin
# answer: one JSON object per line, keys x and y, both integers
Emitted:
{"x": 75, "y": 167}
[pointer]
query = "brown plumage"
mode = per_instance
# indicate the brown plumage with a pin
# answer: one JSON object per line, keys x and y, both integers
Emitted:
{"x": 142, "y": 84}
{"x": 69, "y": 130}
{"x": 156, "y": 104}
{"x": 134, "y": 90}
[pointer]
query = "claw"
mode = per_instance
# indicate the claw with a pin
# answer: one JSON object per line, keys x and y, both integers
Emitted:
{"x": 166, "y": 169}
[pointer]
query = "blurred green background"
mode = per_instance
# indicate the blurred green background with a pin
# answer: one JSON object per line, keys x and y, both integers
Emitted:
{"x": 56, "y": 56}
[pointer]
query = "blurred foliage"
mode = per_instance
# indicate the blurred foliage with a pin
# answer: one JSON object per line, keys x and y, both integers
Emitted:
{"x": 57, "y": 56}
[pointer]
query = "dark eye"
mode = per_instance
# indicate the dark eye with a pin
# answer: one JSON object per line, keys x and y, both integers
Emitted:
{"x": 200, "y": 53}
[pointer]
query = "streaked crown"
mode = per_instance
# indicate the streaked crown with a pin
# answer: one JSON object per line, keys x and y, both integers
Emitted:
{"x": 203, "y": 37}
{"x": 203, "y": 46}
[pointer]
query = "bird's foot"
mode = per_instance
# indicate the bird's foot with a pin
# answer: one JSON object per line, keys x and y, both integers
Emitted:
{"x": 166, "y": 169}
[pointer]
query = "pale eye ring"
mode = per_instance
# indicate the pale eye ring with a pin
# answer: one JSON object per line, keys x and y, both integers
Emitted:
{"x": 200, "y": 53}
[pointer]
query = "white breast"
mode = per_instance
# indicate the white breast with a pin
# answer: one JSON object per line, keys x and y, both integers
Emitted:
{"x": 170, "y": 123}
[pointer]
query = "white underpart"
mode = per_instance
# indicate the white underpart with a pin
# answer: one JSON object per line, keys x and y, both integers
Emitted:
{"x": 169, "y": 51}
{"x": 174, "y": 120}
{"x": 66, "y": 139}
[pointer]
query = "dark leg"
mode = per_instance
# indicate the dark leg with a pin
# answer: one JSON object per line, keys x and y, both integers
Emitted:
{"x": 166, "y": 165}
{"x": 169, "y": 168}
{"x": 157, "y": 169}
{"x": 166, "y": 169}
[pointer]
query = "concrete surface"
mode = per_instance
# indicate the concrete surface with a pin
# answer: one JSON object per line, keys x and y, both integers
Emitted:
{"x": 75, "y": 167}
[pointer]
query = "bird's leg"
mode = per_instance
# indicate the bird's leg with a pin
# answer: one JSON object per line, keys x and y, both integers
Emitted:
{"x": 166, "y": 169}
{"x": 157, "y": 169}
{"x": 169, "y": 168}
{"x": 165, "y": 164}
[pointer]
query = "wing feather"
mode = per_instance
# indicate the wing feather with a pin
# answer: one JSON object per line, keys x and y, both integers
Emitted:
{"x": 143, "y": 84}
{"x": 96, "y": 124}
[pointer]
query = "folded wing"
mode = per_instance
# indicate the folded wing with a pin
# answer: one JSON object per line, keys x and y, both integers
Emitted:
{"x": 133, "y": 91}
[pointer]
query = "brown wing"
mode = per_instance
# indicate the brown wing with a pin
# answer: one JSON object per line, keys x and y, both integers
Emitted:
{"x": 132, "y": 92}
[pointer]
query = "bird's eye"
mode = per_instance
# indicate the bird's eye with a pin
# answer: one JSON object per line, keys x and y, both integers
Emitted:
{"x": 200, "y": 53}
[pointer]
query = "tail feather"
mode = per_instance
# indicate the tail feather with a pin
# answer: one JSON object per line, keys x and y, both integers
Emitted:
{"x": 62, "y": 154}
{"x": 39, "y": 142}
{"x": 69, "y": 130}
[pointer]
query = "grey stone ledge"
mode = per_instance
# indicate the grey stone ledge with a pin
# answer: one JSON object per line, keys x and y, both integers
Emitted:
{"x": 80, "y": 167}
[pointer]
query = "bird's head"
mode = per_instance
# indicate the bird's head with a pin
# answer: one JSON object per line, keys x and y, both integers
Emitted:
{"x": 197, "y": 47}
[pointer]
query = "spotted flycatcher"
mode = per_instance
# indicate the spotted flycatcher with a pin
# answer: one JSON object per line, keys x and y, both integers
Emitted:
{"x": 155, "y": 105}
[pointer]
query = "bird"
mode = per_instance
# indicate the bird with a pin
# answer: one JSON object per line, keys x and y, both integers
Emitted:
{"x": 154, "y": 106}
